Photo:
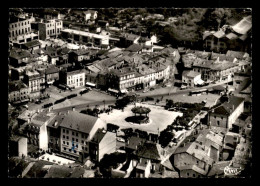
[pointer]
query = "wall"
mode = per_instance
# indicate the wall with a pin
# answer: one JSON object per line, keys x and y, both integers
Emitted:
{"x": 43, "y": 138}
{"x": 76, "y": 80}
{"x": 107, "y": 145}
{"x": 19, "y": 28}
{"x": 98, "y": 125}
{"x": 214, "y": 121}
{"x": 22, "y": 147}
{"x": 232, "y": 118}
{"x": 68, "y": 142}
{"x": 189, "y": 174}
{"x": 184, "y": 159}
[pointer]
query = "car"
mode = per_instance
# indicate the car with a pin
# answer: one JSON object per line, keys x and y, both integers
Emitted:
{"x": 120, "y": 139}
{"x": 145, "y": 91}
{"x": 25, "y": 106}
{"x": 183, "y": 87}
{"x": 151, "y": 89}
{"x": 171, "y": 144}
{"x": 38, "y": 101}
{"x": 172, "y": 109}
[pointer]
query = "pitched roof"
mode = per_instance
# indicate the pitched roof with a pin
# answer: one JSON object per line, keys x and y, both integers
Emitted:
{"x": 52, "y": 69}
{"x": 19, "y": 54}
{"x": 231, "y": 36}
{"x": 133, "y": 142}
{"x": 228, "y": 107}
{"x": 79, "y": 122}
{"x": 33, "y": 43}
{"x": 196, "y": 150}
{"x": 134, "y": 48}
{"x": 190, "y": 73}
{"x": 149, "y": 151}
{"x": 16, "y": 85}
{"x": 130, "y": 37}
{"x": 243, "y": 26}
{"x": 219, "y": 34}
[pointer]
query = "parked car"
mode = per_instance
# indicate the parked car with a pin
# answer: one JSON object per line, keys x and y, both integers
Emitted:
{"x": 120, "y": 139}
{"x": 38, "y": 101}
{"x": 184, "y": 87}
{"x": 25, "y": 106}
{"x": 145, "y": 90}
{"x": 151, "y": 89}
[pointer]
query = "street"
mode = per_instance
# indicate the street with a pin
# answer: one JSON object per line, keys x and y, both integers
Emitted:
{"x": 96, "y": 97}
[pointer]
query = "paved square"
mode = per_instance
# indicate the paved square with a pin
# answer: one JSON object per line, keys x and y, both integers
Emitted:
{"x": 159, "y": 117}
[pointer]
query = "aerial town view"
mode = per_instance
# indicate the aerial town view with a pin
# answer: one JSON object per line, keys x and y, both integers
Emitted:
{"x": 130, "y": 93}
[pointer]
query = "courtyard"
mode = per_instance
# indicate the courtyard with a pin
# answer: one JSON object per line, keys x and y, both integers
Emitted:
{"x": 159, "y": 118}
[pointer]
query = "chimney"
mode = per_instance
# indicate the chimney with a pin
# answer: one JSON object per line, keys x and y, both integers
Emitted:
{"x": 49, "y": 109}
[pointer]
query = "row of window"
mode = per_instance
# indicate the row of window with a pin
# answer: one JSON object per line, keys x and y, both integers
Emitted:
{"x": 20, "y": 31}
{"x": 70, "y": 150}
{"x": 73, "y": 133}
{"x": 20, "y": 24}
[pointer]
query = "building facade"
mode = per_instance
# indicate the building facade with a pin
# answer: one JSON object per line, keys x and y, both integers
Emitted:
{"x": 50, "y": 28}
{"x": 18, "y": 92}
{"x": 73, "y": 79}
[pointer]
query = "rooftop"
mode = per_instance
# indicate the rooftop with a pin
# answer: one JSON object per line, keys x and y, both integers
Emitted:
{"x": 79, "y": 122}
{"x": 190, "y": 73}
{"x": 134, "y": 48}
{"x": 243, "y": 26}
{"x": 196, "y": 150}
{"x": 16, "y": 85}
{"x": 149, "y": 151}
{"x": 32, "y": 44}
{"x": 228, "y": 107}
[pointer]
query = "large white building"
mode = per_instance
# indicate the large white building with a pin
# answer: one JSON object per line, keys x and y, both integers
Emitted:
{"x": 85, "y": 37}
{"x": 73, "y": 79}
{"x": 76, "y": 131}
{"x": 49, "y": 28}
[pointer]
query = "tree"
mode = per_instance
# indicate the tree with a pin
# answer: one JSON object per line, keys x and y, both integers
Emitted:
{"x": 169, "y": 103}
{"x": 221, "y": 14}
{"x": 165, "y": 138}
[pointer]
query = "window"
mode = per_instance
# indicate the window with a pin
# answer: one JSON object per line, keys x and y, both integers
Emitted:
{"x": 72, "y": 139}
{"x": 67, "y": 137}
{"x": 77, "y": 146}
{"x": 221, "y": 117}
{"x": 64, "y": 148}
{"x": 188, "y": 174}
{"x": 69, "y": 150}
{"x": 63, "y": 136}
{"x": 86, "y": 149}
{"x": 67, "y": 131}
{"x": 77, "y": 140}
{"x": 194, "y": 175}
{"x": 63, "y": 142}
{"x": 215, "y": 117}
{"x": 73, "y": 133}
{"x": 75, "y": 151}
{"x": 67, "y": 143}
{"x": 218, "y": 123}
{"x": 82, "y": 141}
{"x": 197, "y": 162}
